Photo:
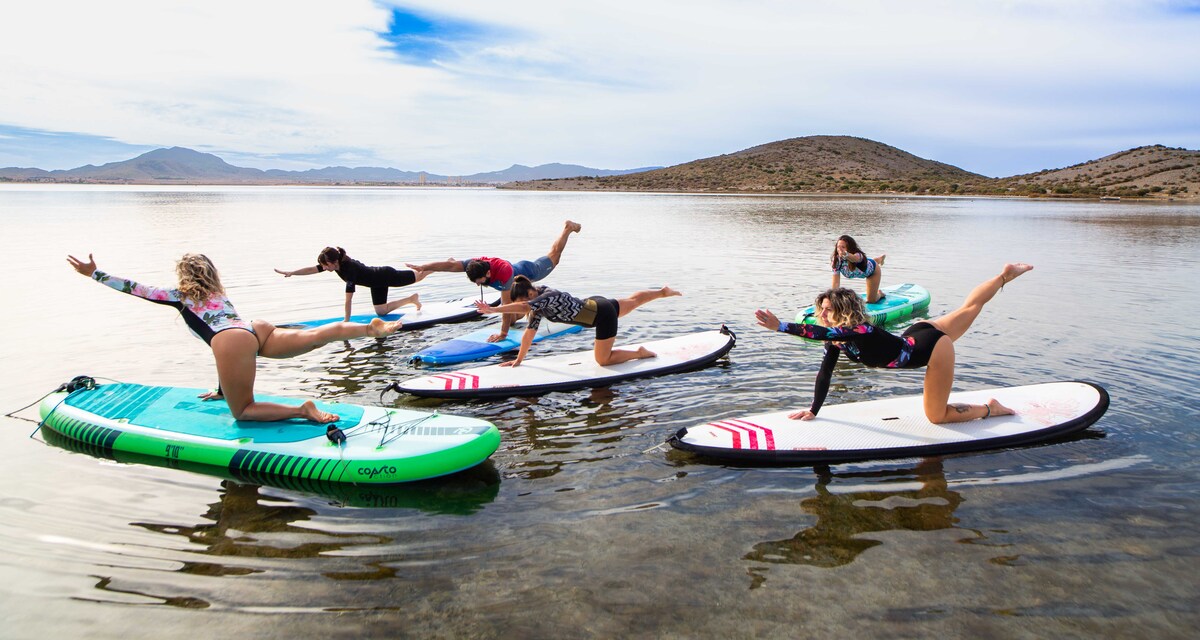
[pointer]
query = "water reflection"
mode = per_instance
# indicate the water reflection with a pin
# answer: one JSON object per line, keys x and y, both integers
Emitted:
{"x": 105, "y": 584}
{"x": 462, "y": 493}
{"x": 834, "y": 539}
{"x": 248, "y": 523}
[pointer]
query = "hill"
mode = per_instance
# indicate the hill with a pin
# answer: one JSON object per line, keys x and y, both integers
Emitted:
{"x": 814, "y": 164}
{"x": 1144, "y": 171}
{"x": 844, "y": 164}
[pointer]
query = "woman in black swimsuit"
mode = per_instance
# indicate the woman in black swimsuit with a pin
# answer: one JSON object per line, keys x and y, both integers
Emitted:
{"x": 353, "y": 272}
{"x": 928, "y": 344}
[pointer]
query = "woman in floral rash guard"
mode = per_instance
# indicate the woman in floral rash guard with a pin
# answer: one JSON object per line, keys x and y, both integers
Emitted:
{"x": 200, "y": 299}
{"x": 930, "y": 344}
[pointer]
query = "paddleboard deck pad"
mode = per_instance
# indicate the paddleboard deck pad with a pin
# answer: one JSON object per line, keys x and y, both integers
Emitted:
{"x": 382, "y": 446}
{"x": 572, "y": 371}
{"x": 897, "y": 427}
{"x": 899, "y": 302}
{"x": 430, "y": 314}
{"x": 475, "y": 345}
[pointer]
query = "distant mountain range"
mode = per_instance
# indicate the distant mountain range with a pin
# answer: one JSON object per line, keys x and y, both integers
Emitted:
{"x": 812, "y": 164}
{"x": 844, "y": 164}
{"x": 179, "y": 165}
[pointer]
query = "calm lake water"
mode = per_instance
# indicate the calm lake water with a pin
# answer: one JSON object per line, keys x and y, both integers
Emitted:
{"x": 584, "y": 524}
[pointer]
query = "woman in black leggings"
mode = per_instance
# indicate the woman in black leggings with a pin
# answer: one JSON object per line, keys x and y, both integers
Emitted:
{"x": 353, "y": 272}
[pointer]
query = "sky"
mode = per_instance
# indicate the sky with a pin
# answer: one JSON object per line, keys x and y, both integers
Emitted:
{"x": 454, "y": 87}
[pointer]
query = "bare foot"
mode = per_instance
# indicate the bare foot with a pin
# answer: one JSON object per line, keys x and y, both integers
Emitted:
{"x": 415, "y": 300}
{"x": 667, "y": 292}
{"x": 574, "y": 227}
{"x": 1014, "y": 269}
{"x": 999, "y": 409}
{"x": 309, "y": 411}
{"x": 643, "y": 353}
{"x": 880, "y": 259}
{"x": 378, "y": 328}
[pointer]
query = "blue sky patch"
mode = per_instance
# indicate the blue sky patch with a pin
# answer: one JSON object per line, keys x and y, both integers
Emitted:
{"x": 41, "y": 149}
{"x": 424, "y": 39}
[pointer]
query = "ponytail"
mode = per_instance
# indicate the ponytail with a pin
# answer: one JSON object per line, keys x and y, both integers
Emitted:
{"x": 521, "y": 287}
{"x": 331, "y": 254}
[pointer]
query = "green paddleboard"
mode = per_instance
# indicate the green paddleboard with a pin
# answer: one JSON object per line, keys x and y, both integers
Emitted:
{"x": 383, "y": 445}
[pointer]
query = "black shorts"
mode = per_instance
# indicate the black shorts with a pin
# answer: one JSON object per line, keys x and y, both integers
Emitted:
{"x": 607, "y": 311}
{"x": 387, "y": 277}
{"x": 925, "y": 337}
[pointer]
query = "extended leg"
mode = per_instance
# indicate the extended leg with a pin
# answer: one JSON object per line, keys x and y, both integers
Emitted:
{"x": 286, "y": 343}
{"x": 956, "y": 323}
{"x": 642, "y": 297}
{"x": 560, "y": 243}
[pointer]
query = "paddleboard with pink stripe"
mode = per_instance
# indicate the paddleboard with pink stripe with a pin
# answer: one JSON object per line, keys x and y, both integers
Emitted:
{"x": 897, "y": 427}
{"x": 573, "y": 370}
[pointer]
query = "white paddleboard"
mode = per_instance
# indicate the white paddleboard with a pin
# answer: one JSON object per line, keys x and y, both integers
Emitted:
{"x": 573, "y": 370}
{"x": 430, "y": 314}
{"x": 897, "y": 427}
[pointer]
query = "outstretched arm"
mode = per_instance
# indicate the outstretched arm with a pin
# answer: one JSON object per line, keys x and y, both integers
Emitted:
{"x": 153, "y": 294}
{"x": 303, "y": 271}
{"x": 449, "y": 264}
{"x": 519, "y": 308}
{"x": 85, "y": 268}
{"x": 767, "y": 320}
{"x": 837, "y": 280}
{"x": 349, "y": 299}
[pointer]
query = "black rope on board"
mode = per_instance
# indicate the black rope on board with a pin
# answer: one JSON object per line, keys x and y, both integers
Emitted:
{"x": 77, "y": 383}
{"x": 394, "y": 386}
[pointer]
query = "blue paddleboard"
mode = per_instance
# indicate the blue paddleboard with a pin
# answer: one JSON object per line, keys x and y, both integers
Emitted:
{"x": 475, "y": 345}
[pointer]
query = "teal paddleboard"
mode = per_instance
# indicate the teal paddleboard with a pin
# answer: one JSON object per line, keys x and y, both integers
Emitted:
{"x": 899, "y": 302}
{"x": 382, "y": 446}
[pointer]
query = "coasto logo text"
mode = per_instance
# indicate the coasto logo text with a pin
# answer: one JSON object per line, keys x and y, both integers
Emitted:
{"x": 371, "y": 473}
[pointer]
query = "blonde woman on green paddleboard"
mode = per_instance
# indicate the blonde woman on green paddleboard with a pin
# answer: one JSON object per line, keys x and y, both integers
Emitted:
{"x": 236, "y": 343}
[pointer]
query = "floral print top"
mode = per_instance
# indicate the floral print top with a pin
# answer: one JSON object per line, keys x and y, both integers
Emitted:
{"x": 204, "y": 319}
{"x": 864, "y": 268}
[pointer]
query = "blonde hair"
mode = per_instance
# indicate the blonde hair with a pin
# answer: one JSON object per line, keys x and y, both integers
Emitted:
{"x": 846, "y": 307}
{"x": 198, "y": 278}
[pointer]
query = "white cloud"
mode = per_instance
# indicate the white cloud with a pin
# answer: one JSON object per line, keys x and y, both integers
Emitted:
{"x": 615, "y": 84}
